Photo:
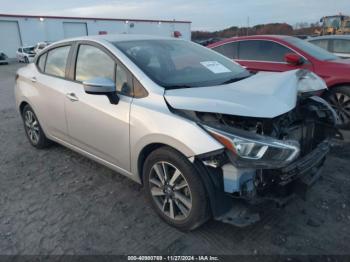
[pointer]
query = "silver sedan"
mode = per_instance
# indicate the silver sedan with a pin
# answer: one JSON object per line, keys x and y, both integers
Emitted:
{"x": 204, "y": 136}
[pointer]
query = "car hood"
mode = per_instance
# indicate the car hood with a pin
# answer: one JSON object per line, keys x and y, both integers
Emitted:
{"x": 264, "y": 95}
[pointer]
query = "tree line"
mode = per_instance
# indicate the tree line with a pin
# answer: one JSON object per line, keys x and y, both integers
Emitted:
{"x": 262, "y": 29}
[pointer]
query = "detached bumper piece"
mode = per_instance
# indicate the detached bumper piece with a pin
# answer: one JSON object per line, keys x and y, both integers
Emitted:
{"x": 240, "y": 215}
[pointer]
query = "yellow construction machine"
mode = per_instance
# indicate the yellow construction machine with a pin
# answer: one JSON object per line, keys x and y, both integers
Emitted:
{"x": 334, "y": 25}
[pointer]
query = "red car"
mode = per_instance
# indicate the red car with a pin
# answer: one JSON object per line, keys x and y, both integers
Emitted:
{"x": 282, "y": 53}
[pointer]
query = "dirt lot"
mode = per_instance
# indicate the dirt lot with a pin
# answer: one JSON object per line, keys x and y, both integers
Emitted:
{"x": 57, "y": 202}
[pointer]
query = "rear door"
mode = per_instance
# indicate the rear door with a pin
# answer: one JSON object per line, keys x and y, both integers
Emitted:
{"x": 95, "y": 125}
{"x": 51, "y": 82}
{"x": 264, "y": 55}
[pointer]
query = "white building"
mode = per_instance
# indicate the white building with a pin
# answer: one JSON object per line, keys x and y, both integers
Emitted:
{"x": 27, "y": 30}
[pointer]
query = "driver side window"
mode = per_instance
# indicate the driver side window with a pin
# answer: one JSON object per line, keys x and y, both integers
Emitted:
{"x": 261, "y": 50}
{"x": 92, "y": 62}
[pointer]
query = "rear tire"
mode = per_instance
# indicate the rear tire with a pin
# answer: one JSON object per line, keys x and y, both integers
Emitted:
{"x": 339, "y": 99}
{"x": 178, "y": 194}
{"x": 33, "y": 130}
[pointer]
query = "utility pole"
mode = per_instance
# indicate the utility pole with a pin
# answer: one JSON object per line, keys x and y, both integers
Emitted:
{"x": 247, "y": 25}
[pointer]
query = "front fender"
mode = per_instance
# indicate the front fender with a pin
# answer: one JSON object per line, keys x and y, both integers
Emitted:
{"x": 157, "y": 125}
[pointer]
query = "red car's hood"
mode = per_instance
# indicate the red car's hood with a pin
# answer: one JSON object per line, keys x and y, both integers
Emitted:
{"x": 340, "y": 62}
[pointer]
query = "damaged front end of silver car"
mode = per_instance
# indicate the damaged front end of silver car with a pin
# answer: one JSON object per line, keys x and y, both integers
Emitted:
{"x": 266, "y": 160}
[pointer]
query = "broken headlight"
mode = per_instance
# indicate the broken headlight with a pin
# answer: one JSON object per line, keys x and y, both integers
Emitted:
{"x": 253, "y": 150}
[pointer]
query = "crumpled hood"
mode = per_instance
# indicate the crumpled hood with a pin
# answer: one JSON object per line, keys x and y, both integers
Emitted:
{"x": 264, "y": 95}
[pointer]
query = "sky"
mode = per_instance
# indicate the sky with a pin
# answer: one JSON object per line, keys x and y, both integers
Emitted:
{"x": 206, "y": 15}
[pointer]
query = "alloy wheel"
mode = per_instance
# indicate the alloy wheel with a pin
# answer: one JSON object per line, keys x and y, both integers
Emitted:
{"x": 341, "y": 104}
{"x": 32, "y": 127}
{"x": 170, "y": 191}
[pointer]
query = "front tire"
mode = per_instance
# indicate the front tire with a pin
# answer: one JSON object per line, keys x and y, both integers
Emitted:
{"x": 339, "y": 99}
{"x": 26, "y": 60}
{"x": 33, "y": 130}
{"x": 175, "y": 190}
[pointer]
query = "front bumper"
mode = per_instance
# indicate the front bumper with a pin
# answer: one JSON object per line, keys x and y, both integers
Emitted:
{"x": 307, "y": 165}
{"x": 291, "y": 181}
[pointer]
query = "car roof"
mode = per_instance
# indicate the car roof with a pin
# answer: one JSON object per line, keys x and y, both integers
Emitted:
{"x": 346, "y": 37}
{"x": 252, "y": 37}
{"x": 118, "y": 38}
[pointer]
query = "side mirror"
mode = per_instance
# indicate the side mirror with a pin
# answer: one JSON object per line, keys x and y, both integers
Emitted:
{"x": 99, "y": 86}
{"x": 293, "y": 59}
{"x": 102, "y": 86}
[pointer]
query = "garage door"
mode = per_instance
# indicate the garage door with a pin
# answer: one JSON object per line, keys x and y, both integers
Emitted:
{"x": 10, "y": 38}
{"x": 74, "y": 29}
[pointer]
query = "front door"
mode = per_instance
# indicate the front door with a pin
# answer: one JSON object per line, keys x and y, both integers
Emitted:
{"x": 95, "y": 125}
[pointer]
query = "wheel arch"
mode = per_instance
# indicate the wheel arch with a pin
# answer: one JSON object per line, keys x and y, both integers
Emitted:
{"x": 325, "y": 93}
{"x": 219, "y": 202}
{"x": 22, "y": 105}
{"x": 146, "y": 150}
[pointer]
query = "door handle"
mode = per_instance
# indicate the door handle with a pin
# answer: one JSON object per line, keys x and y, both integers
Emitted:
{"x": 72, "y": 97}
{"x": 33, "y": 79}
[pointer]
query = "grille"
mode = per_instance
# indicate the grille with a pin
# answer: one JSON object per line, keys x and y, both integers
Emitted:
{"x": 309, "y": 134}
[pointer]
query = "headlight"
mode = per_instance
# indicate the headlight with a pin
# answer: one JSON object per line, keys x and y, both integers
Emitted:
{"x": 253, "y": 150}
{"x": 310, "y": 82}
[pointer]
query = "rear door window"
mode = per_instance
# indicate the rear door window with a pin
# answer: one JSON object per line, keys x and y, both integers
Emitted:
{"x": 229, "y": 50}
{"x": 321, "y": 43}
{"x": 56, "y": 61}
{"x": 341, "y": 46}
{"x": 260, "y": 50}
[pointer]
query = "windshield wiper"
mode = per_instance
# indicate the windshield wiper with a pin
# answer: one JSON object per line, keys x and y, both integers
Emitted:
{"x": 177, "y": 87}
{"x": 234, "y": 79}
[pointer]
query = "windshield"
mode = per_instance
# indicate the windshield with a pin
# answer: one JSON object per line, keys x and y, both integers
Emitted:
{"x": 311, "y": 49}
{"x": 178, "y": 64}
{"x": 332, "y": 22}
{"x": 28, "y": 50}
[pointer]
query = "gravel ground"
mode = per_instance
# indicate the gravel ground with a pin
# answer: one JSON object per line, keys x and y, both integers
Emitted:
{"x": 55, "y": 201}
